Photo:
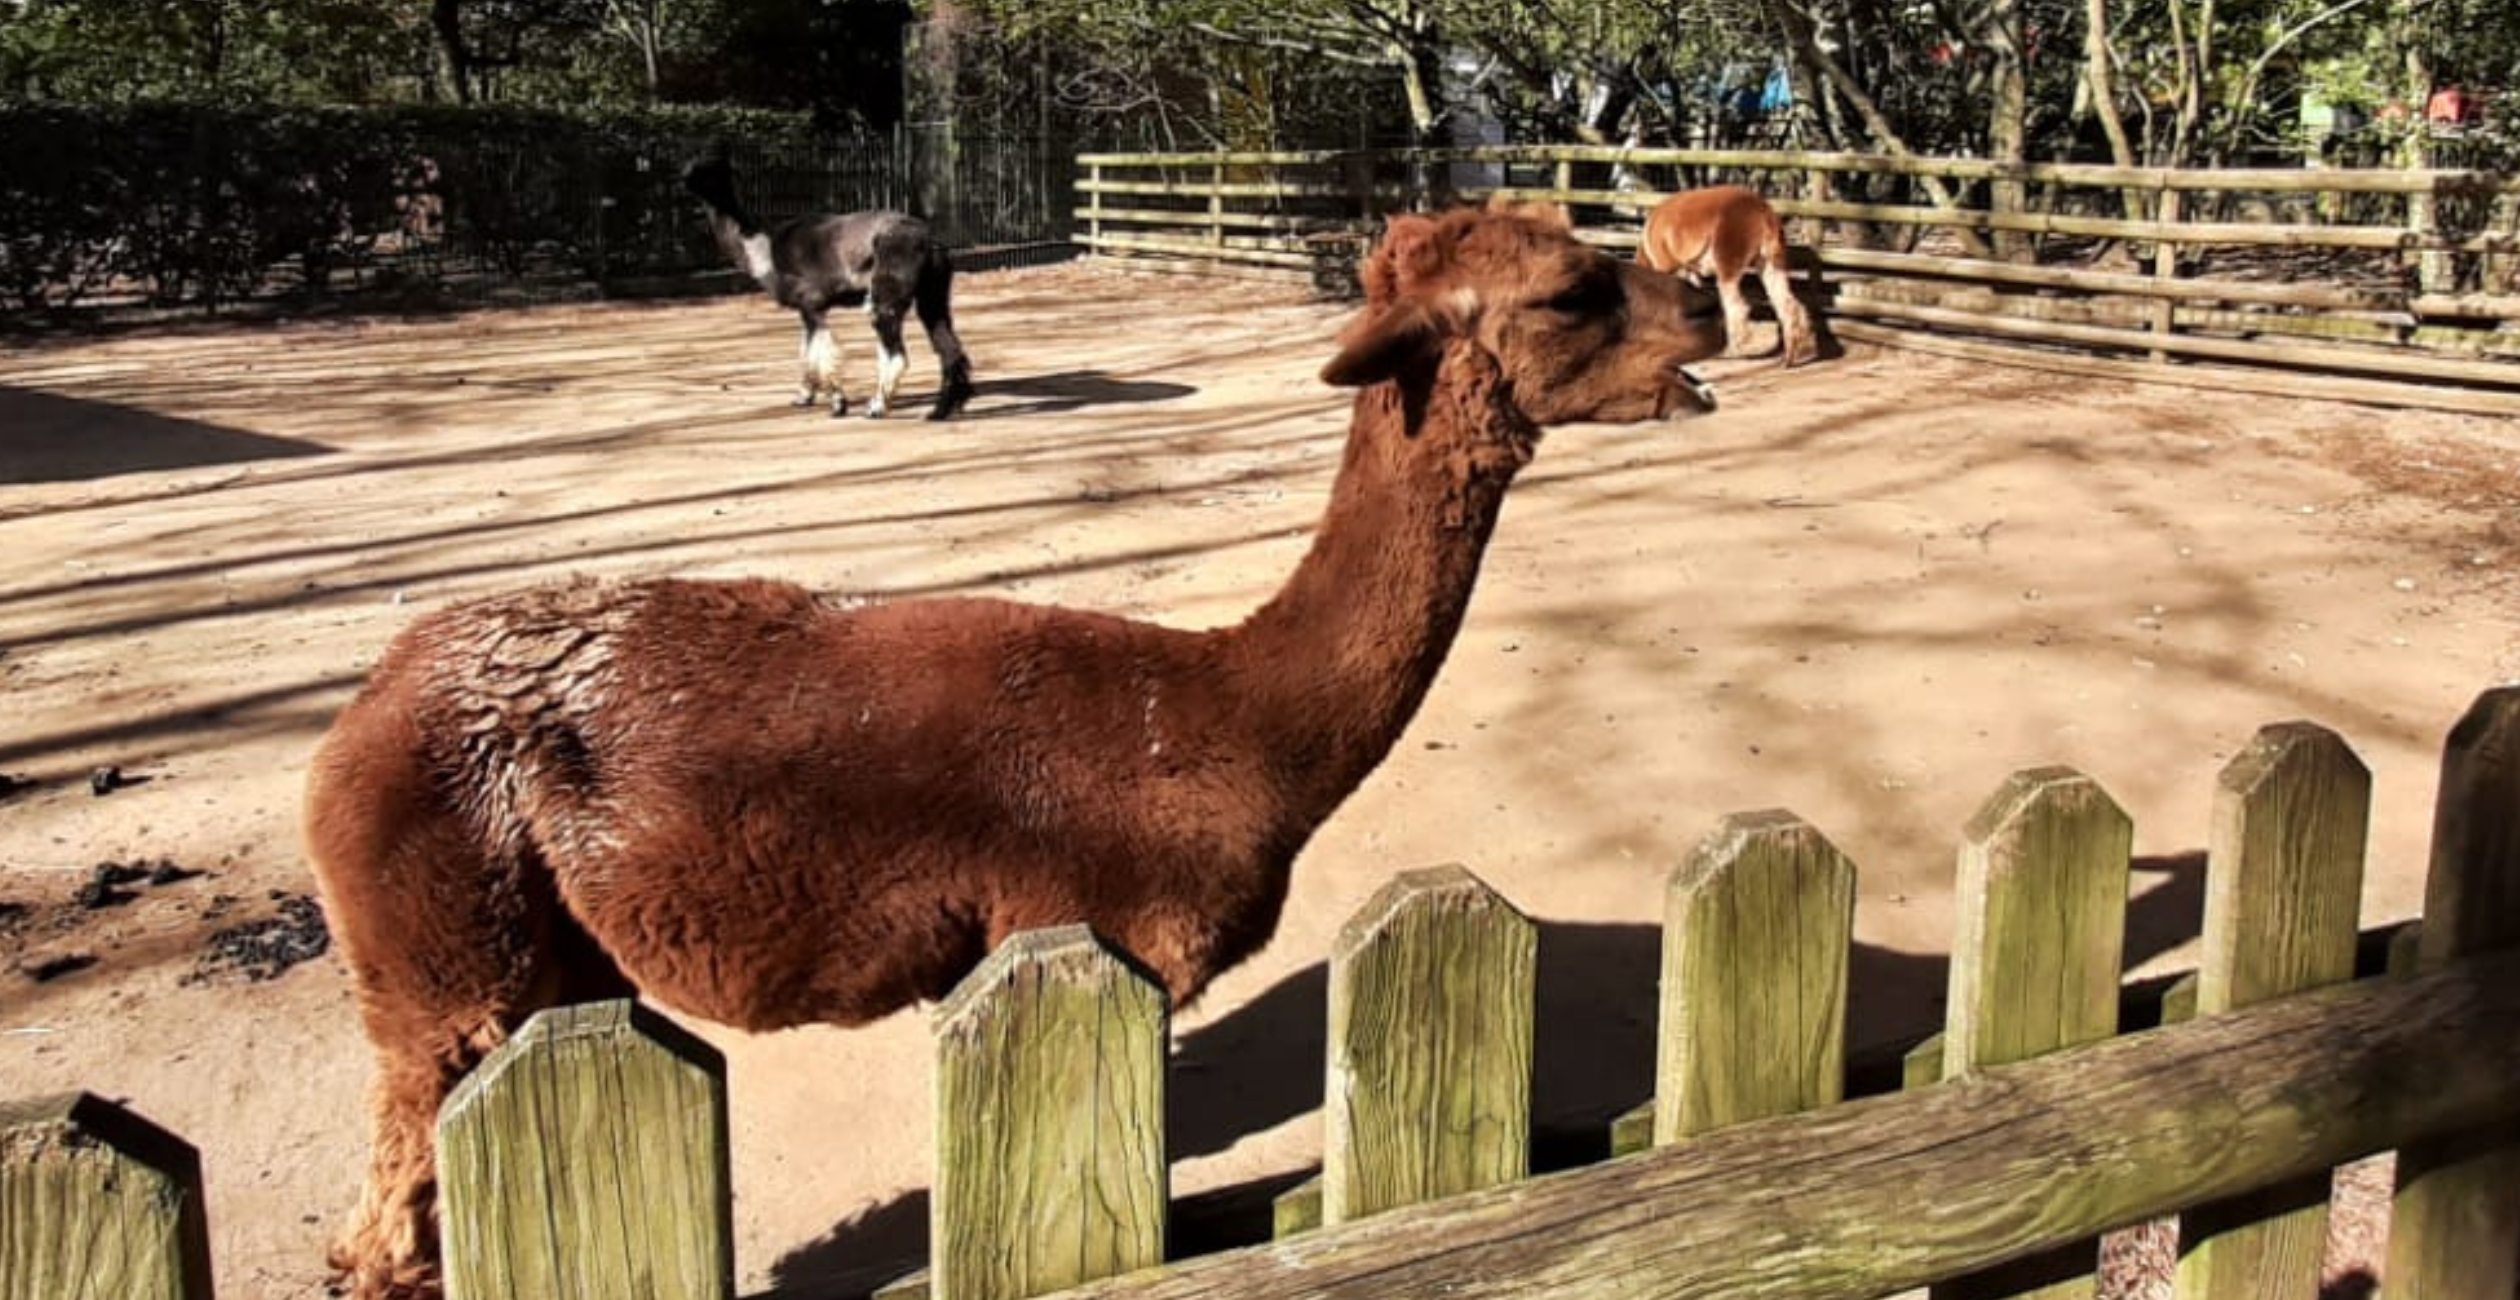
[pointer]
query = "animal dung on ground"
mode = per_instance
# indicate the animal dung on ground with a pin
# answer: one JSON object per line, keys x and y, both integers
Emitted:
{"x": 260, "y": 950}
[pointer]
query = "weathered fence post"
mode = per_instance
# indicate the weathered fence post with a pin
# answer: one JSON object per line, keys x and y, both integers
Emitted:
{"x": 587, "y": 1157}
{"x": 1756, "y": 929}
{"x": 1050, "y": 1121}
{"x": 2456, "y": 1230}
{"x": 97, "y": 1203}
{"x": 1094, "y": 207}
{"x": 2283, "y": 894}
{"x": 1429, "y": 1076}
{"x": 2035, "y": 962}
{"x": 1216, "y": 204}
{"x": 2433, "y": 267}
{"x": 2165, "y": 320}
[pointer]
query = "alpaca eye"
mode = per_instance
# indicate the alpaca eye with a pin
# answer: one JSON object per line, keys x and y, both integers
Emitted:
{"x": 1578, "y": 298}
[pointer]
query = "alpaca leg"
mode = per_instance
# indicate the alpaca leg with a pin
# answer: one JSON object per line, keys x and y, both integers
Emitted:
{"x": 1736, "y": 316}
{"x": 449, "y": 950}
{"x": 954, "y": 365}
{"x": 935, "y": 294}
{"x": 822, "y": 366}
{"x": 805, "y": 365}
{"x": 1793, "y": 322}
{"x": 891, "y": 361}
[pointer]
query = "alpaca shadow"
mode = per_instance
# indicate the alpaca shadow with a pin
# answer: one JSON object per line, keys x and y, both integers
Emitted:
{"x": 1596, "y": 1005}
{"x": 46, "y": 438}
{"x": 1067, "y": 390}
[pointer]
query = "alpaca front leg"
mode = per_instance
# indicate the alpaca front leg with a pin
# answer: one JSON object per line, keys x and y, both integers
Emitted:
{"x": 892, "y": 361}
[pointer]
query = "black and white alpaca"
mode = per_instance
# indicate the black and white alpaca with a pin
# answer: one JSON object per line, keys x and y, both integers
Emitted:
{"x": 887, "y": 262}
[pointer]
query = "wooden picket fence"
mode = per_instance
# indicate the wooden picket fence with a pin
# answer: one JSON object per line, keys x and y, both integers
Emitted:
{"x": 2402, "y": 288}
{"x": 588, "y": 1157}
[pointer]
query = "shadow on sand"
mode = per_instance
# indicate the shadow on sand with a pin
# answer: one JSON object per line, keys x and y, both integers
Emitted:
{"x": 45, "y": 438}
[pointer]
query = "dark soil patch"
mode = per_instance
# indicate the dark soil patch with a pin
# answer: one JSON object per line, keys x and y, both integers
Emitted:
{"x": 45, "y": 969}
{"x": 260, "y": 950}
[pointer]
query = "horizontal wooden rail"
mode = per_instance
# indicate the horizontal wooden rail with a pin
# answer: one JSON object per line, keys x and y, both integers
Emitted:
{"x": 1185, "y": 217}
{"x": 2290, "y": 384}
{"x": 1195, "y": 248}
{"x": 2323, "y": 297}
{"x": 2401, "y": 364}
{"x": 2264, "y": 179}
{"x": 1878, "y": 1196}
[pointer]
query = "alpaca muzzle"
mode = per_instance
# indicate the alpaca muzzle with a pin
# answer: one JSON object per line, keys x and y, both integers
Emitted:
{"x": 1699, "y": 391}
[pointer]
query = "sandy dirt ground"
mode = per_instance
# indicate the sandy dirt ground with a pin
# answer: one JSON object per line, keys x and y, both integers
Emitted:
{"x": 1865, "y": 591}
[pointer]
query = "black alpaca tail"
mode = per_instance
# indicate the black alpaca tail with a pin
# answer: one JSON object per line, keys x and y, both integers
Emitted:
{"x": 936, "y": 315}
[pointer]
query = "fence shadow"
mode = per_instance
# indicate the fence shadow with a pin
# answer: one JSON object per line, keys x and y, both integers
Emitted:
{"x": 46, "y": 438}
{"x": 1596, "y": 1009}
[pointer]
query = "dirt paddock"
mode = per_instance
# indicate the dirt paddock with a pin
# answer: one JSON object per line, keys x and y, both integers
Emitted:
{"x": 1865, "y": 591}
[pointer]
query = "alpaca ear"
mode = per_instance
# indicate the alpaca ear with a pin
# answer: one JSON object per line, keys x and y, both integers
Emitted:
{"x": 1406, "y": 255}
{"x": 1381, "y": 345}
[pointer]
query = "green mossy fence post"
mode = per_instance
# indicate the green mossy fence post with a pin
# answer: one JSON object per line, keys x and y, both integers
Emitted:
{"x": 2283, "y": 894}
{"x": 97, "y": 1203}
{"x": 587, "y": 1157}
{"x": 2456, "y": 1230}
{"x": 2035, "y": 962}
{"x": 1757, "y": 925}
{"x": 1050, "y": 1121}
{"x": 1429, "y": 1070}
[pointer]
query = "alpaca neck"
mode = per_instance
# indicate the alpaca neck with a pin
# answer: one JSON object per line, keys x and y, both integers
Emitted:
{"x": 1339, "y": 660}
{"x": 742, "y": 240}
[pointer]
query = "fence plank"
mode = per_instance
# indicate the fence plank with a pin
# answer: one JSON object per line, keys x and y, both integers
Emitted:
{"x": 587, "y": 1157}
{"x": 2456, "y": 1232}
{"x": 1050, "y": 1120}
{"x": 1981, "y": 1169}
{"x": 97, "y": 1203}
{"x": 1429, "y": 1078}
{"x": 1756, "y": 929}
{"x": 2034, "y": 965}
{"x": 2283, "y": 889}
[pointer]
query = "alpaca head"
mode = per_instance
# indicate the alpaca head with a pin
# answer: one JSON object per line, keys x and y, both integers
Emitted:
{"x": 712, "y": 178}
{"x": 1576, "y": 334}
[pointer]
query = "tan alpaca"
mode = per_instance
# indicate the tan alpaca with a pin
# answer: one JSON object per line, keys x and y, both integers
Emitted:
{"x": 1722, "y": 234}
{"x": 749, "y": 804}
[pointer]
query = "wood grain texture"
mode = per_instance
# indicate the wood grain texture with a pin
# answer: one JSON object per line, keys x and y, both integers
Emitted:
{"x": 1429, "y": 1065}
{"x": 1973, "y": 1172}
{"x": 97, "y": 1203}
{"x": 2034, "y": 965}
{"x": 2456, "y": 1228}
{"x": 2283, "y": 894}
{"x": 587, "y": 1158}
{"x": 1050, "y": 1157}
{"x": 1757, "y": 925}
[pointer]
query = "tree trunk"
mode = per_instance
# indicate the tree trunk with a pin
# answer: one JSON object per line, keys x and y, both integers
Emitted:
{"x": 446, "y": 19}
{"x": 2007, "y": 123}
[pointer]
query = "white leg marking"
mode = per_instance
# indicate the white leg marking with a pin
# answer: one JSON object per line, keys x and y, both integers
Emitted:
{"x": 888, "y": 372}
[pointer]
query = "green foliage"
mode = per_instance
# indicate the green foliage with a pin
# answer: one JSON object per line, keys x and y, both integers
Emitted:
{"x": 191, "y": 204}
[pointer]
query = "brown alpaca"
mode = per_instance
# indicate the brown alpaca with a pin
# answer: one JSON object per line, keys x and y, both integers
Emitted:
{"x": 752, "y": 805}
{"x": 1722, "y": 234}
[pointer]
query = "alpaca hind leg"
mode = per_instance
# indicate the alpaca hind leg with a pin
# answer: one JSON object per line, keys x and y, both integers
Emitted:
{"x": 450, "y": 950}
{"x": 936, "y": 316}
{"x": 1736, "y": 316}
{"x": 805, "y": 391}
{"x": 892, "y": 359}
{"x": 1793, "y": 320}
{"x": 822, "y": 368}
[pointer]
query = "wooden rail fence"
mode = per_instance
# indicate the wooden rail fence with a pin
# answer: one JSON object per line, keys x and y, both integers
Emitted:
{"x": 2399, "y": 287}
{"x": 587, "y": 1158}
